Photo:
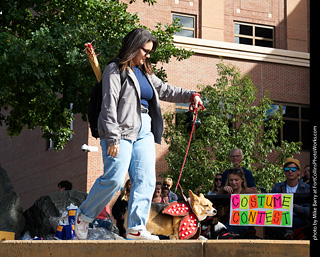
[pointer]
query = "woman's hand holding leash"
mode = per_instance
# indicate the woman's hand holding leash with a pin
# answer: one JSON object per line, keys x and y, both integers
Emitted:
{"x": 196, "y": 103}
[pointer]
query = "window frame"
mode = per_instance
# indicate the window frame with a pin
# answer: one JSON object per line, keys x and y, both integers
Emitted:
{"x": 194, "y": 17}
{"x": 254, "y": 37}
{"x": 298, "y": 119}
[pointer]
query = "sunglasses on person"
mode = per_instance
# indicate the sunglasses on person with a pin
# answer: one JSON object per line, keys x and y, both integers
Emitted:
{"x": 166, "y": 185}
{"x": 293, "y": 169}
{"x": 217, "y": 179}
{"x": 147, "y": 52}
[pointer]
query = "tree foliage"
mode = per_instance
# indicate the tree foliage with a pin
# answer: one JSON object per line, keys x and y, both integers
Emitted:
{"x": 233, "y": 118}
{"x": 42, "y": 61}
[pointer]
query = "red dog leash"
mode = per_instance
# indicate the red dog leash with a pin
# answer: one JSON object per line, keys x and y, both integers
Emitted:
{"x": 195, "y": 110}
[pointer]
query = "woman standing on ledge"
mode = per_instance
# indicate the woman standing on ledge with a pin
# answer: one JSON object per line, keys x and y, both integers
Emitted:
{"x": 129, "y": 124}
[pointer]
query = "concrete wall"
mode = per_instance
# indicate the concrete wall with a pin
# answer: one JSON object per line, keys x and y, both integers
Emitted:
{"x": 197, "y": 248}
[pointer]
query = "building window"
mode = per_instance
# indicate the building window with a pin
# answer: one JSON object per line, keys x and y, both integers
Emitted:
{"x": 253, "y": 34}
{"x": 296, "y": 126}
{"x": 188, "y": 23}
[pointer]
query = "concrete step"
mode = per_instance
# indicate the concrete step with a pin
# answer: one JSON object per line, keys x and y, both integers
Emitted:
{"x": 167, "y": 248}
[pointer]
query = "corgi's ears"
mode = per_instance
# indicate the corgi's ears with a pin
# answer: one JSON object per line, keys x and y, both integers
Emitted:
{"x": 191, "y": 194}
{"x": 193, "y": 197}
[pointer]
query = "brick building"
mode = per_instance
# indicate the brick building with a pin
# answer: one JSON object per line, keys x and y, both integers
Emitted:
{"x": 269, "y": 39}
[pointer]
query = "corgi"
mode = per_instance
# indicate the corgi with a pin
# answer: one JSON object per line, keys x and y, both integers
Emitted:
{"x": 179, "y": 220}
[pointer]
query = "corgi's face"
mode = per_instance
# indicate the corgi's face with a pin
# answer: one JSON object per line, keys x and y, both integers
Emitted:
{"x": 201, "y": 206}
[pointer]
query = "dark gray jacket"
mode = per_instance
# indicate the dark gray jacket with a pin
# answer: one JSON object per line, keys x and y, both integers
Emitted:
{"x": 120, "y": 115}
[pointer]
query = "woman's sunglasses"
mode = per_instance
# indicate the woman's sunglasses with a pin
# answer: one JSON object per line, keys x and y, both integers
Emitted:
{"x": 293, "y": 169}
{"x": 217, "y": 179}
{"x": 146, "y": 51}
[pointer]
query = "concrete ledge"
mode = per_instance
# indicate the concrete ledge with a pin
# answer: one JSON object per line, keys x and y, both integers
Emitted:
{"x": 102, "y": 248}
{"x": 254, "y": 248}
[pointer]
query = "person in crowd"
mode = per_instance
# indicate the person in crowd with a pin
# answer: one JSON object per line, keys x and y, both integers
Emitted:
{"x": 292, "y": 184}
{"x": 157, "y": 195}
{"x": 129, "y": 125}
{"x": 236, "y": 158}
{"x": 236, "y": 184}
{"x": 306, "y": 174}
{"x": 165, "y": 194}
{"x": 216, "y": 185}
{"x": 64, "y": 185}
{"x": 120, "y": 207}
{"x": 236, "y": 181}
{"x": 168, "y": 182}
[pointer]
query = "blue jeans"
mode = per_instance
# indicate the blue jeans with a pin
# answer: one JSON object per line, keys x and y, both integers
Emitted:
{"x": 137, "y": 157}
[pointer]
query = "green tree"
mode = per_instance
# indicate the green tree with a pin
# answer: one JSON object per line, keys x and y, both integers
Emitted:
{"x": 233, "y": 118}
{"x": 42, "y": 59}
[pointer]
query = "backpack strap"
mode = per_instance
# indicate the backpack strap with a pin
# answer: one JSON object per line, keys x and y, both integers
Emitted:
{"x": 124, "y": 73}
{"x": 94, "y": 105}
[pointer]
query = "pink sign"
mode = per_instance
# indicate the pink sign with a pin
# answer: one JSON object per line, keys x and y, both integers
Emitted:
{"x": 261, "y": 210}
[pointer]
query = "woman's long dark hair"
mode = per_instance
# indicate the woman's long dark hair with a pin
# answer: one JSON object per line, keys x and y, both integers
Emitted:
{"x": 132, "y": 43}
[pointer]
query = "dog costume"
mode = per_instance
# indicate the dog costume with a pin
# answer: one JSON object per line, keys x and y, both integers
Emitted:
{"x": 189, "y": 226}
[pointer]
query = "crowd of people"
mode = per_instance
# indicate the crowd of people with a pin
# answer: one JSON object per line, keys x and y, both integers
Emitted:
{"x": 162, "y": 192}
{"x": 239, "y": 180}
{"x": 236, "y": 180}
